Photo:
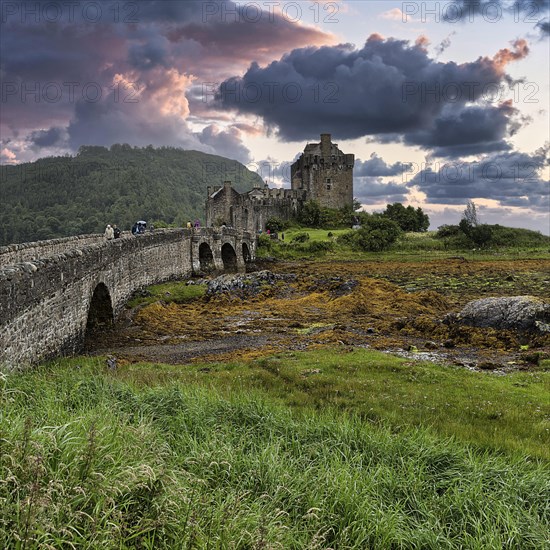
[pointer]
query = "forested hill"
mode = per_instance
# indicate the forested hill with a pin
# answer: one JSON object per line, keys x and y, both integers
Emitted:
{"x": 62, "y": 196}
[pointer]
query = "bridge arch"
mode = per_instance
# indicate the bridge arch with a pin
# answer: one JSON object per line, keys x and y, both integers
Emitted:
{"x": 229, "y": 258}
{"x": 206, "y": 257}
{"x": 62, "y": 290}
{"x": 100, "y": 312}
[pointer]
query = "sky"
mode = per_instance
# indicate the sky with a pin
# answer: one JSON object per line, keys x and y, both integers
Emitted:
{"x": 441, "y": 102}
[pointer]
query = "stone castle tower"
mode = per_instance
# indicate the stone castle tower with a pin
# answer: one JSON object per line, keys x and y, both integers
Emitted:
{"x": 322, "y": 174}
{"x": 325, "y": 173}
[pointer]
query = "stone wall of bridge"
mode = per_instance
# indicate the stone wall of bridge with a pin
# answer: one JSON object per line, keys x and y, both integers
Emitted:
{"x": 46, "y": 304}
{"x": 24, "y": 252}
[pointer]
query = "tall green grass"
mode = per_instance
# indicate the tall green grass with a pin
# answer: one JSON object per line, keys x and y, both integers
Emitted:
{"x": 510, "y": 413}
{"x": 90, "y": 460}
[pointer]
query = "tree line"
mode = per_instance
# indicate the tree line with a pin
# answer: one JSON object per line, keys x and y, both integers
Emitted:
{"x": 70, "y": 195}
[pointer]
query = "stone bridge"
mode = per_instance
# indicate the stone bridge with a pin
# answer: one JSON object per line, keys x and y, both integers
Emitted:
{"x": 53, "y": 292}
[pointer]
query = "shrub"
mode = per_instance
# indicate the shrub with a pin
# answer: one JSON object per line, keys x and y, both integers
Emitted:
{"x": 310, "y": 214}
{"x": 445, "y": 231}
{"x": 264, "y": 241}
{"x": 377, "y": 234}
{"x": 407, "y": 218}
{"x": 481, "y": 235}
{"x": 466, "y": 235}
{"x": 319, "y": 246}
{"x": 277, "y": 224}
{"x": 300, "y": 238}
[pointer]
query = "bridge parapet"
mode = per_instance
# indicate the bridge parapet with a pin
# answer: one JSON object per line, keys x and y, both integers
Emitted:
{"x": 46, "y": 303}
{"x": 24, "y": 252}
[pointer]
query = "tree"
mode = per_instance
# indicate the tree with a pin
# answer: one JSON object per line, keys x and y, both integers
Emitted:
{"x": 377, "y": 233}
{"x": 310, "y": 215}
{"x": 407, "y": 218}
{"x": 276, "y": 224}
{"x": 481, "y": 235}
{"x": 470, "y": 214}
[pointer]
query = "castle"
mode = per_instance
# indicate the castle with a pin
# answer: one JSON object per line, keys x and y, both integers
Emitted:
{"x": 322, "y": 173}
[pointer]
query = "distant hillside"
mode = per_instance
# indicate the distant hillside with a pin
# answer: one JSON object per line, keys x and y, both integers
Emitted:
{"x": 62, "y": 196}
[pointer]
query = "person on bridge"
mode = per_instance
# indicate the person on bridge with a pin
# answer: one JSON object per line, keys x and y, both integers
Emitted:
{"x": 197, "y": 224}
{"x": 116, "y": 231}
{"x": 109, "y": 232}
{"x": 189, "y": 225}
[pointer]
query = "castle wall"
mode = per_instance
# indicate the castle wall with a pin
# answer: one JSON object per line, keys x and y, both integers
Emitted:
{"x": 325, "y": 173}
{"x": 250, "y": 211}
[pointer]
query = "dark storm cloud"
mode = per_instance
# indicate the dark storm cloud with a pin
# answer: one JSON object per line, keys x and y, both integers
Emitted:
{"x": 57, "y": 57}
{"x": 371, "y": 189}
{"x": 527, "y": 11}
{"x": 512, "y": 178}
{"x": 227, "y": 143}
{"x": 468, "y": 131}
{"x": 48, "y": 138}
{"x": 387, "y": 87}
{"x": 377, "y": 167}
{"x": 154, "y": 52}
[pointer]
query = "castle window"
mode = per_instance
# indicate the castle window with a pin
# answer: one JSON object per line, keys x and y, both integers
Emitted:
{"x": 328, "y": 182}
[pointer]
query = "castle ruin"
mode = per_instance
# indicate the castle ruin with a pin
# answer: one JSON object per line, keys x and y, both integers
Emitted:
{"x": 322, "y": 173}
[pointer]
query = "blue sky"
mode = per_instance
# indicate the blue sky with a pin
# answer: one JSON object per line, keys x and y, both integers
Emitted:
{"x": 441, "y": 102}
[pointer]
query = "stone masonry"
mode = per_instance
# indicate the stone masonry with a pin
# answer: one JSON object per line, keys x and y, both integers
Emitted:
{"x": 323, "y": 173}
{"x": 46, "y": 303}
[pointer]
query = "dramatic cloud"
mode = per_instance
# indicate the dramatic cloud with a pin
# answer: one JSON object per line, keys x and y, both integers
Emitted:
{"x": 369, "y": 185}
{"x": 511, "y": 178}
{"x": 387, "y": 87}
{"x": 7, "y": 156}
{"x": 226, "y": 143}
{"x": 468, "y": 131}
{"x": 377, "y": 167}
{"x": 372, "y": 190}
{"x": 48, "y": 138}
{"x": 120, "y": 72}
{"x": 444, "y": 44}
{"x": 528, "y": 11}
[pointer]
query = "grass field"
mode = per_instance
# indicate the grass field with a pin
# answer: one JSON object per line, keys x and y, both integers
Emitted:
{"x": 175, "y": 292}
{"x": 320, "y": 449}
{"x": 334, "y": 447}
{"x": 409, "y": 247}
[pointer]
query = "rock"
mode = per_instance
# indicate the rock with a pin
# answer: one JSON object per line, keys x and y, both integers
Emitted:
{"x": 370, "y": 330}
{"x": 488, "y": 365}
{"x": 345, "y": 288}
{"x": 250, "y": 284}
{"x": 525, "y": 313}
{"x": 449, "y": 344}
{"x": 430, "y": 345}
